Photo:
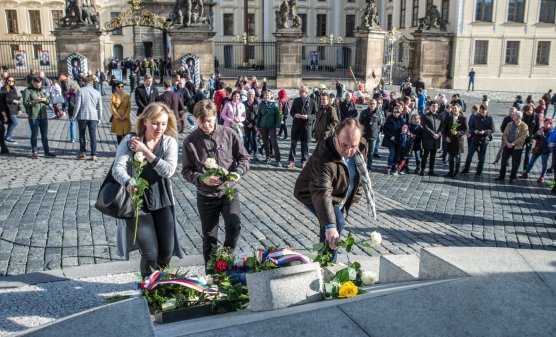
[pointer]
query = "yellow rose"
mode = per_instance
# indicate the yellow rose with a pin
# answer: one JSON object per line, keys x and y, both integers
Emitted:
{"x": 348, "y": 289}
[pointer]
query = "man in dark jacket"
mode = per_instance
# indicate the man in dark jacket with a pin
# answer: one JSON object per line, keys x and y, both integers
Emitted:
{"x": 432, "y": 131}
{"x": 372, "y": 120}
{"x": 330, "y": 184}
{"x": 303, "y": 108}
{"x": 268, "y": 120}
{"x": 171, "y": 100}
{"x": 533, "y": 123}
{"x": 249, "y": 125}
{"x": 145, "y": 94}
{"x": 347, "y": 107}
{"x": 327, "y": 119}
{"x": 481, "y": 129}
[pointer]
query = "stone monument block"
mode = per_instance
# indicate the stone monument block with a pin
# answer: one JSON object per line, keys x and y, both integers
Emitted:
{"x": 369, "y": 55}
{"x": 432, "y": 58}
{"x": 288, "y": 60}
{"x": 284, "y": 287}
{"x": 197, "y": 41}
{"x": 85, "y": 40}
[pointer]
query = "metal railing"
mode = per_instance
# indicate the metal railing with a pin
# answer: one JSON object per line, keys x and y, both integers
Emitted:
{"x": 327, "y": 60}
{"x": 19, "y": 57}
{"x": 230, "y": 59}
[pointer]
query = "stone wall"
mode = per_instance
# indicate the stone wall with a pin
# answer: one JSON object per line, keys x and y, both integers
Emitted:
{"x": 432, "y": 59}
{"x": 196, "y": 41}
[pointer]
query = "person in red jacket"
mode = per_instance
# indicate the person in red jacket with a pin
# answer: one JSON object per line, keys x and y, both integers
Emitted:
{"x": 219, "y": 98}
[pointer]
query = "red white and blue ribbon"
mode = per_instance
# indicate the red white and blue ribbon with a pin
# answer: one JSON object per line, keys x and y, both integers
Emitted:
{"x": 156, "y": 279}
{"x": 281, "y": 256}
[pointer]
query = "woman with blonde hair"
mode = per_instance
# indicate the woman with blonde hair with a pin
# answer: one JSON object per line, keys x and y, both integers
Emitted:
{"x": 156, "y": 233}
{"x": 120, "y": 104}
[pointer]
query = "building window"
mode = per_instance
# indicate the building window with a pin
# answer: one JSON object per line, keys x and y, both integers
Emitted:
{"x": 415, "y": 14}
{"x": 228, "y": 23}
{"x": 56, "y": 16}
{"x": 548, "y": 11}
{"x": 516, "y": 9}
{"x": 251, "y": 24}
{"x": 445, "y": 10}
{"x": 322, "y": 52}
{"x": 13, "y": 48}
{"x": 36, "y": 49}
{"x": 11, "y": 20}
{"x": 512, "y": 52}
{"x": 402, "y": 13}
{"x": 35, "y": 20}
{"x": 350, "y": 25}
{"x": 483, "y": 12}
{"x": 400, "y": 53}
{"x": 389, "y": 22}
{"x": 543, "y": 53}
{"x": 321, "y": 24}
{"x": 481, "y": 52}
{"x": 117, "y": 31}
{"x": 303, "y": 23}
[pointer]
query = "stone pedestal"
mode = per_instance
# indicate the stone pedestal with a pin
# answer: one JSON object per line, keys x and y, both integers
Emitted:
{"x": 288, "y": 58}
{"x": 432, "y": 58}
{"x": 369, "y": 55}
{"x": 86, "y": 41}
{"x": 197, "y": 41}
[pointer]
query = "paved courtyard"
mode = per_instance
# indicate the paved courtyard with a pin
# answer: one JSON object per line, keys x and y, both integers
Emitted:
{"x": 48, "y": 220}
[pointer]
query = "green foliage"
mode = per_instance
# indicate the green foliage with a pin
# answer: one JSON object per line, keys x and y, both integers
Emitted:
{"x": 136, "y": 196}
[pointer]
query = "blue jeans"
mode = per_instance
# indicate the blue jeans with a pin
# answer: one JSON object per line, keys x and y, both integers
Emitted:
{"x": 340, "y": 223}
{"x": 73, "y": 129}
{"x": 392, "y": 156}
{"x": 250, "y": 140}
{"x": 377, "y": 144}
{"x": 92, "y": 126}
{"x": 11, "y": 127}
{"x": 418, "y": 154}
{"x": 544, "y": 158}
{"x": 37, "y": 125}
{"x": 481, "y": 148}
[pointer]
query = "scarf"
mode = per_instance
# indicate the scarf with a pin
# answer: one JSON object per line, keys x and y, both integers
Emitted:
{"x": 361, "y": 167}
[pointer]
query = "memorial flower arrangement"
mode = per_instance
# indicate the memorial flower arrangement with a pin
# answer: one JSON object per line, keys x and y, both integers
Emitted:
{"x": 138, "y": 162}
{"x": 274, "y": 257}
{"x": 213, "y": 169}
{"x": 454, "y": 126}
{"x": 346, "y": 282}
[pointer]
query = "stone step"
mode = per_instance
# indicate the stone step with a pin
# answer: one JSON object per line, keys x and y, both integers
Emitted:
{"x": 398, "y": 268}
{"x": 433, "y": 265}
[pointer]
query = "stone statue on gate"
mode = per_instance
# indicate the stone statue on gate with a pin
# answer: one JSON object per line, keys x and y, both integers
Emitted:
{"x": 370, "y": 16}
{"x": 189, "y": 13}
{"x": 286, "y": 12}
{"x": 433, "y": 20}
{"x": 80, "y": 12}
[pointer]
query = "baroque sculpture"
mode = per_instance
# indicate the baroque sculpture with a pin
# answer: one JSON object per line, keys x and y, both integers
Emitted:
{"x": 432, "y": 20}
{"x": 286, "y": 12}
{"x": 80, "y": 12}
{"x": 370, "y": 16}
{"x": 189, "y": 13}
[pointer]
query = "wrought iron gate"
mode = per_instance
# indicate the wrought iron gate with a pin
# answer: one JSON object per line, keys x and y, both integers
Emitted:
{"x": 22, "y": 54}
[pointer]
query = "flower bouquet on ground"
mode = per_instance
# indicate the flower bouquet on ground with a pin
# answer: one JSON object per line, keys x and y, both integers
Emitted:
{"x": 231, "y": 178}
{"x": 346, "y": 281}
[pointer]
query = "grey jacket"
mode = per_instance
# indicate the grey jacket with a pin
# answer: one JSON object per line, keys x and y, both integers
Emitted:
{"x": 89, "y": 104}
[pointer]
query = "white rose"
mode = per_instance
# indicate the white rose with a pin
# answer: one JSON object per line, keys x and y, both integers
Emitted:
{"x": 225, "y": 171}
{"x": 376, "y": 238}
{"x": 209, "y": 280}
{"x": 234, "y": 176}
{"x": 211, "y": 163}
{"x": 368, "y": 278}
{"x": 169, "y": 305}
{"x": 139, "y": 157}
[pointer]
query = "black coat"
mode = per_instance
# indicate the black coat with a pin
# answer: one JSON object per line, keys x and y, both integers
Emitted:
{"x": 432, "y": 124}
{"x": 371, "y": 121}
{"x": 141, "y": 98}
{"x": 481, "y": 123}
{"x": 392, "y": 128}
{"x": 172, "y": 100}
{"x": 347, "y": 110}
{"x": 250, "y": 114}
{"x": 457, "y": 141}
{"x": 301, "y": 127}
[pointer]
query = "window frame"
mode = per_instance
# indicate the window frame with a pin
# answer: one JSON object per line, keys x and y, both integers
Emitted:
{"x": 56, "y": 15}
{"x": 546, "y": 49}
{"x": 480, "y": 55}
{"x": 511, "y": 53}
{"x": 546, "y": 11}
{"x": 228, "y": 30}
{"x": 14, "y": 21}
{"x": 350, "y": 31}
{"x": 514, "y": 15}
{"x": 320, "y": 23}
{"x": 415, "y": 13}
{"x": 35, "y": 24}
{"x": 403, "y": 10}
{"x": 483, "y": 5}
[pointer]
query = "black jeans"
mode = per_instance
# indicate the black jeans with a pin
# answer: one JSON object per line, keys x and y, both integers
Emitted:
{"x": 481, "y": 148}
{"x": 370, "y": 148}
{"x": 209, "y": 213}
{"x": 516, "y": 159}
{"x": 283, "y": 128}
{"x": 155, "y": 239}
{"x": 454, "y": 161}
{"x": 304, "y": 151}
{"x": 3, "y": 147}
{"x": 528, "y": 149}
{"x": 269, "y": 139}
{"x": 426, "y": 154}
{"x": 83, "y": 126}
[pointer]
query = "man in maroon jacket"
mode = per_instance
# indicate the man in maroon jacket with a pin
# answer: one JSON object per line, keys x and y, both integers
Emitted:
{"x": 171, "y": 99}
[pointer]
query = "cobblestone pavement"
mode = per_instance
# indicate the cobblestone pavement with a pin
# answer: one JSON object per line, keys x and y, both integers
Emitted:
{"x": 48, "y": 220}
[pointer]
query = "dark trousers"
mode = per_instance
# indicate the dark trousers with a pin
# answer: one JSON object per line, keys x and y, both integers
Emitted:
{"x": 283, "y": 128}
{"x": 209, "y": 213}
{"x": 516, "y": 159}
{"x": 155, "y": 240}
{"x": 426, "y": 154}
{"x": 527, "y": 157}
{"x": 37, "y": 125}
{"x": 304, "y": 151}
{"x": 83, "y": 126}
{"x": 250, "y": 140}
{"x": 454, "y": 161}
{"x": 269, "y": 139}
{"x": 340, "y": 223}
{"x": 370, "y": 149}
{"x": 481, "y": 148}
{"x": 119, "y": 138}
{"x": 3, "y": 147}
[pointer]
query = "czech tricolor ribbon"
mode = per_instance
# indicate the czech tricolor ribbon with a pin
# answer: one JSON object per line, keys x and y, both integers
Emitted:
{"x": 156, "y": 279}
{"x": 281, "y": 256}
